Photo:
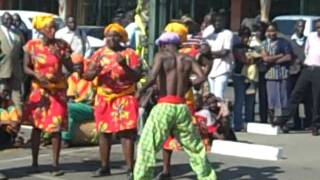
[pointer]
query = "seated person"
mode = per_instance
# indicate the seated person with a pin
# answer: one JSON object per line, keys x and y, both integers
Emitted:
{"x": 216, "y": 112}
{"x": 81, "y": 94}
{"x": 10, "y": 117}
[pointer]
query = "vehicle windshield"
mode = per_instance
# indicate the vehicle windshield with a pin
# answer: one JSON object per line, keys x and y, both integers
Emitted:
{"x": 286, "y": 27}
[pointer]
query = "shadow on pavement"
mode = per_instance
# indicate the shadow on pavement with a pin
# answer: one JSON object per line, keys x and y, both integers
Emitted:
{"x": 246, "y": 172}
{"x": 180, "y": 170}
{"x": 68, "y": 168}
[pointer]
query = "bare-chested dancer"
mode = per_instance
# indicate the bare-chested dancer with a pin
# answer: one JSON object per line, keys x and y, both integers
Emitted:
{"x": 171, "y": 114}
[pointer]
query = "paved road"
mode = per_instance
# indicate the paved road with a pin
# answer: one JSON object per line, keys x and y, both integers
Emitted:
{"x": 301, "y": 161}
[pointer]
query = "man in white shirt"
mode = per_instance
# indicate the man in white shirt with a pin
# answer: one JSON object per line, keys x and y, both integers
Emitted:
{"x": 76, "y": 38}
{"x": 220, "y": 42}
{"x": 11, "y": 64}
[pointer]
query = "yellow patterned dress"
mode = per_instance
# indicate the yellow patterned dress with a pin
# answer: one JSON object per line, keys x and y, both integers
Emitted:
{"x": 47, "y": 107}
{"x": 116, "y": 108}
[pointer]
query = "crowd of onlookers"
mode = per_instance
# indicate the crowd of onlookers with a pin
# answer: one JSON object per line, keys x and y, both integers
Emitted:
{"x": 281, "y": 72}
{"x": 262, "y": 63}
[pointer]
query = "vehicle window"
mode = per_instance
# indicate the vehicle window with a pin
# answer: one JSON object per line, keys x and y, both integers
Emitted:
{"x": 96, "y": 32}
{"x": 313, "y": 26}
{"x": 286, "y": 27}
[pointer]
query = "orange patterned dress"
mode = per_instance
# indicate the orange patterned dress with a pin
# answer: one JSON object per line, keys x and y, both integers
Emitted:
{"x": 47, "y": 107}
{"x": 115, "y": 108}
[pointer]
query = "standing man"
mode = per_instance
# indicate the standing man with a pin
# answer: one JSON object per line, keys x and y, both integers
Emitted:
{"x": 11, "y": 47}
{"x": 220, "y": 42}
{"x": 171, "y": 114}
{"x": 76, "y": 38}
{"x": 309, "y": 78}
{"x": 298, "y": 42}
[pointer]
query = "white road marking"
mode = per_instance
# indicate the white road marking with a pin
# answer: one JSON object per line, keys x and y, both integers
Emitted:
{"x": 46, "y": 177}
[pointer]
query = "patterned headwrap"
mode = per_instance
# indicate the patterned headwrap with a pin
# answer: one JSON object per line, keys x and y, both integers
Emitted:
{"x": 76, "y": 58}
{"x": 41, "y": 21}
{"x": 178, "y": 28}
{"x": 119, "y": 29}
{"x": 168, "y": 38}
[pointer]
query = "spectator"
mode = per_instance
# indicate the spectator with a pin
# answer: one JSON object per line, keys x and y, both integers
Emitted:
{"x": 220, "y": 42}
{"x": 76, "y": 38}
{"x": 298, "y": 41}
{"x": 81, "y": 95}
{"x": 255, "y": 44}
{"x": 243, "y": 100}
{"x": 131, "y": 28}
{"x": 117, "y": 70}
{"x": 277, "y": 53}
{"x": 46, "y": 107}
{"x": 309, "y": 78}
{"x": 21, "y": 27}
{"x": 11, "y": 47}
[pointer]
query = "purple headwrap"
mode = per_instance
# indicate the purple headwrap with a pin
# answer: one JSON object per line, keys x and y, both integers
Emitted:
{"x": 168, "y": 38}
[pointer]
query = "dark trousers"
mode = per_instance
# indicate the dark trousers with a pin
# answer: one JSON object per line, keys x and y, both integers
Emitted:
{"x": 263, "y": 100}
{"x": 308, "y": 80}
{"x": 307, "y": 103}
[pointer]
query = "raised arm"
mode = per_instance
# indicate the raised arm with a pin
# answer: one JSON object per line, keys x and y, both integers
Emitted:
{"x": 200, "y": 75}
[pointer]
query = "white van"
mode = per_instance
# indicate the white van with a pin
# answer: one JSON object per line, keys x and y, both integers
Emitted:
{"x": 286, "y": 23}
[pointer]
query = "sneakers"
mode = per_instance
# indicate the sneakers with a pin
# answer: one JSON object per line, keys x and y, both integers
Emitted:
{"x": 315, "y": 131}
{"x": 129, "y": 175}
{"x": 163, "y": 176}
{"x": 103, "y": 171}
{"x": 3, "y": 177}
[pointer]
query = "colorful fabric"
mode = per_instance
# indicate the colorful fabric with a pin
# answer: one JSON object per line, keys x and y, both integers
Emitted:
{"x": 190, "y": 51}
{"x": 47, "y": 107}
{"x": 39, "y": 22}
{"x": 82, "y": 90}
{"x": 164, "y": 118}
{"x": 77, "y": 58}
{"x": 168, "y": 38}
{"x": 178, "y": 28}
{"x": 119, "y": 29}
{"x": 77, "y": 112}
{"x": 116, "y": 108}
{"x": 10, "y": 114}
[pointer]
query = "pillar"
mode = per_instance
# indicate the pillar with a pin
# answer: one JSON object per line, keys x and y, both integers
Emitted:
{"x": 236, "y": 14}
{"x": 265, "y": 10}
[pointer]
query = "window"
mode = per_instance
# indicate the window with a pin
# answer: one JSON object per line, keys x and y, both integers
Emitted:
{"x": 286, "y": 27}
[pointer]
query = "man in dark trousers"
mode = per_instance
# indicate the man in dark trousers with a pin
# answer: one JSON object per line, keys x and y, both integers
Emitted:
{"x": 309, "y": 79}
{"x": 298, "y": 42}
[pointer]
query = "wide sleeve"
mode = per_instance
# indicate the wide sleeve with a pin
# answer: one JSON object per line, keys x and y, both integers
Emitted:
{"x": 72, "y": 85}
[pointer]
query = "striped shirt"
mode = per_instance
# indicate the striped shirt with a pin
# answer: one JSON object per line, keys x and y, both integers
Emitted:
{"x": 280, "y": 46}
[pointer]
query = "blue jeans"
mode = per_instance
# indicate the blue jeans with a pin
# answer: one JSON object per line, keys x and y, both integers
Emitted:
{"x": 242, "y": 101}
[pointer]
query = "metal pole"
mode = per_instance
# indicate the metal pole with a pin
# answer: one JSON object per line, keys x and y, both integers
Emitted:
{"x": 192, "y": 10}
{"x": 152, "y": 29}
{"x": 302, "y": 3}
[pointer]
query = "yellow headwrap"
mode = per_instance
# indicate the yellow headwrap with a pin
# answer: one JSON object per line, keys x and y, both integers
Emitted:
{"x": 41, "y": 21}
{"x": 178, "y": 28}
{"x": 119, "y": 29}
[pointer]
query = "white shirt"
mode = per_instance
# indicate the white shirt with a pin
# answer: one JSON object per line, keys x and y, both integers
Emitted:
{"x": 207, "y": 31}
{"x": 9, "y": 34}
{"x": 312, "y": 50}
{"x": 217, "y": 42}
{"x": 74, "y": 39}
{"x": 207, "y": 114}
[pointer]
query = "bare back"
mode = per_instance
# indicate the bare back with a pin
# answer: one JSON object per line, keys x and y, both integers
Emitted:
{"x": 174, "y": 75}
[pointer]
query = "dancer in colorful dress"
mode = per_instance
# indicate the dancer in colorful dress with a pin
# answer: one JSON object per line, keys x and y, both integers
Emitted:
{"x": 46, "y": 106}
{"x": 171, "y": 114}
{"x": 117, "y": 70}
